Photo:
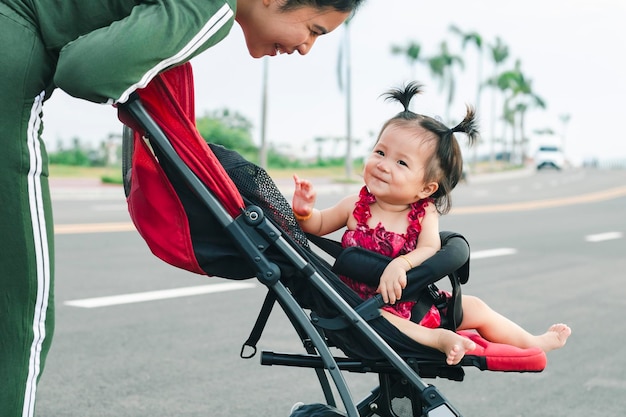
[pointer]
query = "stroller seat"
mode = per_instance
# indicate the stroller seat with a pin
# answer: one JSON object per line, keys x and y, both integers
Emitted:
{"x": 206, "y": 209}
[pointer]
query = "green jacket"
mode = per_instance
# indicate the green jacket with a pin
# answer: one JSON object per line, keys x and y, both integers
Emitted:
{"x": 105, "y": 49}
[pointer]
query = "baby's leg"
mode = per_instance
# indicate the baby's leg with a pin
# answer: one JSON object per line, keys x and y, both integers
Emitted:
{"x": 499, "y": 329}
{"x": 453, "y": 345}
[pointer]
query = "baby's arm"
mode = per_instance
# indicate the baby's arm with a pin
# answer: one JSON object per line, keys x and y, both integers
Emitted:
{"x": 393, "y": 279}
{"x": 314, "y": 221}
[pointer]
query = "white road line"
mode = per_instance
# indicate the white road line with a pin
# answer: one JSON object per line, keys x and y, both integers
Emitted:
{"x": 158, "y": 295}
{"x": 599, "y": 382}
{"x": 490, "y": 253}
{"x": 66, "y": 229}
{"x": 110, "y": 207}
{"x": 213, "y": 288}
{"x": 604, "y": 236}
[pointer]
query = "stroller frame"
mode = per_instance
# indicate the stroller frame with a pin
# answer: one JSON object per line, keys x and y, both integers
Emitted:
{"x": 194, "y": 186}
{"x": 253, "y": 233}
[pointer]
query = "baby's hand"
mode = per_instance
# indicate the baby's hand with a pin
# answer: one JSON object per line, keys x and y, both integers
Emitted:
{"x": 304, "y": 197}
{"x": 392, "y": 282}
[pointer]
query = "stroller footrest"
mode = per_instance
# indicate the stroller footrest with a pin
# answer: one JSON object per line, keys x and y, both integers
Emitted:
{"x": 425, "y": 369}
{"x": 489, "y": 356}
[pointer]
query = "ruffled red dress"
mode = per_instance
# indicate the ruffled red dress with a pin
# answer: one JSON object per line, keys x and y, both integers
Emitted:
{"x": 389, "y": 244}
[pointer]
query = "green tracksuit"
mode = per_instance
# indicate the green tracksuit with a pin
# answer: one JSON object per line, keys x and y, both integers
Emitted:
{"x": 98, "y": 50}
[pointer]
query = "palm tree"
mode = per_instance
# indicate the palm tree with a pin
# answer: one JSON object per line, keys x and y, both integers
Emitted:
{"x": 527, "y": 101}
{"x": 412, "y": 52}
{"x": 520, "y": 98}
{"x": 344, "y": 76}
{"x": 442, "y": 67}
{"x": 564, "y": 118}
{"x": 263, "y": 150}
{"x": 499, "y": 54}
{"x": 506, "y": 83}
{"x": 508, "y": 120}
{"x": 477, "y": 40}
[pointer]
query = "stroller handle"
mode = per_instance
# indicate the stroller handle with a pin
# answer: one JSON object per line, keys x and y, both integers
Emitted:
{"x": 367, "y": 266}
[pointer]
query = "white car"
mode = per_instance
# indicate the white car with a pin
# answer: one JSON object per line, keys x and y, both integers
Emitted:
{"x": 549, "y": 157}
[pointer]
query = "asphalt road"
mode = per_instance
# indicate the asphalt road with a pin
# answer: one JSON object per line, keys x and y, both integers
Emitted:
{"x": 547, "y": 247}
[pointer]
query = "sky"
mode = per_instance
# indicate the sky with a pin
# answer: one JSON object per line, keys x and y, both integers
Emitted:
{"x": 572, "y": 51}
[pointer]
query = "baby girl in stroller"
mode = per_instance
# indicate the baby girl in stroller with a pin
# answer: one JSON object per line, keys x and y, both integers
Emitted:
{"x": 415, "y": 164}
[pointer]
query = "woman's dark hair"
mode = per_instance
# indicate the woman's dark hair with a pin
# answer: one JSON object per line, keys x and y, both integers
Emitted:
{"x": 339, "y": 5}
{"x": 446, "y": 166}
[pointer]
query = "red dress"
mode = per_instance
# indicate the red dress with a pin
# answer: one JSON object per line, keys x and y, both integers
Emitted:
{"x": 389, "y": 244}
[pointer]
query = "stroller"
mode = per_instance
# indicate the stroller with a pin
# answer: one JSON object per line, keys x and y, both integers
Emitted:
{"x": 206, "y": 209}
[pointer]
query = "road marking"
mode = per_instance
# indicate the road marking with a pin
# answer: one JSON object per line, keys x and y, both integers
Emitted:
{"x": 541, "y": 204}
{"x": 213, "y": 288}
{"x": 66, "y": 229}
{"x": 70, "y": 229}
{"x": 158, "y": 295}
{"x": 597, "y": 382}
{"x": 110, "y": 207}
{"x": 604, "y": 236}
{"x": 490, "y": 253}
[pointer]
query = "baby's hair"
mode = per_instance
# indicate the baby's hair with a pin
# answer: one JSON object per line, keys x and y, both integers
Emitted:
{"x": 446, "y": 165}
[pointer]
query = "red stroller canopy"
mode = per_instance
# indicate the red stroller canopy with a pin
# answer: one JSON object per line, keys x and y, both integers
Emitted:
{"x": 154, "y": 206}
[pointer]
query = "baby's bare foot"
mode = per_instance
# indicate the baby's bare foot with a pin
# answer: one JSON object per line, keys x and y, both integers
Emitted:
{"x": 454, "y": 346}
{"x": 555, "y": 337}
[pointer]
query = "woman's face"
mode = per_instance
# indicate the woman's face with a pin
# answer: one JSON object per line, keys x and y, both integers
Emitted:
{"x": 268, "y": 31}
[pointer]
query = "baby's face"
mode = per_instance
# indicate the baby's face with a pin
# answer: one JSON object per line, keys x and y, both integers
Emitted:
{"x": 394, "y": 172}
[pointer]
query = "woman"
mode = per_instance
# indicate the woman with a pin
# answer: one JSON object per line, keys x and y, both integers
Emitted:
{"x": 101, "y": 52}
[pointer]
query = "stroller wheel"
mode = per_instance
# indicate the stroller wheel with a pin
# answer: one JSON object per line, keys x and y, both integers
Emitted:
{"x": 296, "y": 406}
{"x": 315, "y": 410}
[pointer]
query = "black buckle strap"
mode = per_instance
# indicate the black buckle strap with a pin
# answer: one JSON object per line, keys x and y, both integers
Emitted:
{"x": 259, "y": 326}
{"x": 439, "y": 300}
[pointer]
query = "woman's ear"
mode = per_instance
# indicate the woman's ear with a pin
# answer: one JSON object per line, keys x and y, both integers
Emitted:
{"x": 428, "y": 190}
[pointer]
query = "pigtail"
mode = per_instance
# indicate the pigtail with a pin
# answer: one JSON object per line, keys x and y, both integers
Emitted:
{"x": 449, "y": 157}
{"x": 404, "y": 96}
{"x": 468, "y": 125}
